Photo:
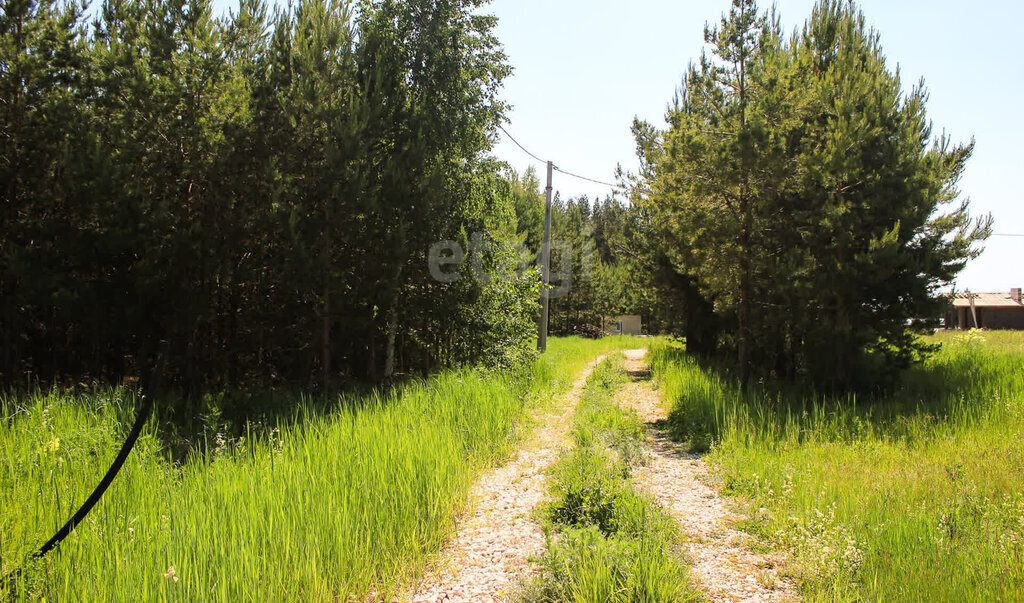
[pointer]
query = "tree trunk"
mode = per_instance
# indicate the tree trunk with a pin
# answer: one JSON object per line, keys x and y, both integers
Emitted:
{"x": 232, "y": 336}
{"x": 325, "y": 328}
{"x": 389, "y": 349}
{"x": 7, "y": 294}
{"x": 325, "y": 317}
{"x": 745, "y": 228}
{"x": 392, "y": 332}
{"x": 745, "y": 300}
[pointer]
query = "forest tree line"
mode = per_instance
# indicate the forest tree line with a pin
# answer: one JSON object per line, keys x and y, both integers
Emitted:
{"x": 250, "y": 197}
{"x": 798, "y": 217}
{"x": 253, "y": 199}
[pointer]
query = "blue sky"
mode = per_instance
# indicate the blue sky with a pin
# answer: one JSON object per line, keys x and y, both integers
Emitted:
{"x": 585, "y": 68}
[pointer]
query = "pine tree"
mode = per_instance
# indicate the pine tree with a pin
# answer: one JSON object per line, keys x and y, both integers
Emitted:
{"x": 878, "y": 201}
{"x": 227, "y": 192}
{"x": 713, "y": 169}
{"x": 800, "y": 194}
{"x": 42, "y": 116}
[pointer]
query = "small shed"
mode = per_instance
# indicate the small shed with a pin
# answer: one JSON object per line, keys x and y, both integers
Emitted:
{"x": 627, "y": 324}
{"x": 986, "y": 311}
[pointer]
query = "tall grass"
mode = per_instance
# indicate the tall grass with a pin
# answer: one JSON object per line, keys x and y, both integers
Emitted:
{"x": 330, "y": 506}
{"x": 915, "y": 494}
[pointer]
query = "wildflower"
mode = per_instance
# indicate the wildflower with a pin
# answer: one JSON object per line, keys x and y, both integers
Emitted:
{"x": 787, "y": 486}
{"x": 170, "y": 574}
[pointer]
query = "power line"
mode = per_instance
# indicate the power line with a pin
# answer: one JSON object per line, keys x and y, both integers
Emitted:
{"x": 1007, "y": 235}
{"x": 512, "y": 138}
{"x": 585, "y": 178}
{"x": 608, "y": 184}
{"x": 567, "y": 173}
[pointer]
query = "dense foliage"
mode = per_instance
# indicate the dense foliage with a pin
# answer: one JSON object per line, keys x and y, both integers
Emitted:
{"x": 593, "y": 274}
{"x": 801, "y": 191}
{"x": 253, "y": 197}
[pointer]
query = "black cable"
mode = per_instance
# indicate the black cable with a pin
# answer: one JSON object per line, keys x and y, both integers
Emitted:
{"x": 555, "y": 167}
{"x": 140, "y": 421}
{"x": 585, "y": 178}
{"x": 512, "y": 138}
{"x": 609, "y": 184}
{"x": 115, "y": 467}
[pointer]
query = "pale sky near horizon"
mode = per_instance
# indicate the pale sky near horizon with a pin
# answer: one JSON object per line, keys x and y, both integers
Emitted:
{"x": 585, "y": 68}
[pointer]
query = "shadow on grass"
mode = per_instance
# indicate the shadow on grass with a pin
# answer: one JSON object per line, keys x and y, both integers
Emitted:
{"x": 640, "y": 375}
{"x": 193, "y": 427}
{"x": 962, "y": 383}
{"x": 660, "y": 432}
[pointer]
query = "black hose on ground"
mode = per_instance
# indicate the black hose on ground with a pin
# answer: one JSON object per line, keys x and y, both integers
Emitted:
{"x": 140, "y": 421}
{"x": 115, "y": 467}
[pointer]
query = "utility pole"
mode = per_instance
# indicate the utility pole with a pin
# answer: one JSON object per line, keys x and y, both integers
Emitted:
{"x": 974, "y": 313}
{"x": 545, "y": 255}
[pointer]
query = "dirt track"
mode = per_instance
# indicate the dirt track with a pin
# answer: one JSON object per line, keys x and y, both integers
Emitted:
{"x": 494, "y": 542}
{"x": 722, "y": 561}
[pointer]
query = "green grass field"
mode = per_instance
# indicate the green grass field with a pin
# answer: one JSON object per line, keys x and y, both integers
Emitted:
{"x": 915, "y": 495}
{"x": 329, "y": 505}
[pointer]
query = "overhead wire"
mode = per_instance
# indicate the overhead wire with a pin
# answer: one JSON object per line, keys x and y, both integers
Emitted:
{"x": 555, "y": 167}
{"x": 609, "y": 184}
{"x": 558, "y": 169}
{"x": 513, "y": 139}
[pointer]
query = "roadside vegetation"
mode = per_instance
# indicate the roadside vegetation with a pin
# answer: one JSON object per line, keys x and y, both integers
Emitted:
{"x": 889, "y": 496}
{"x": 607, "y": 541}
{"x": 327, "y": 505}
